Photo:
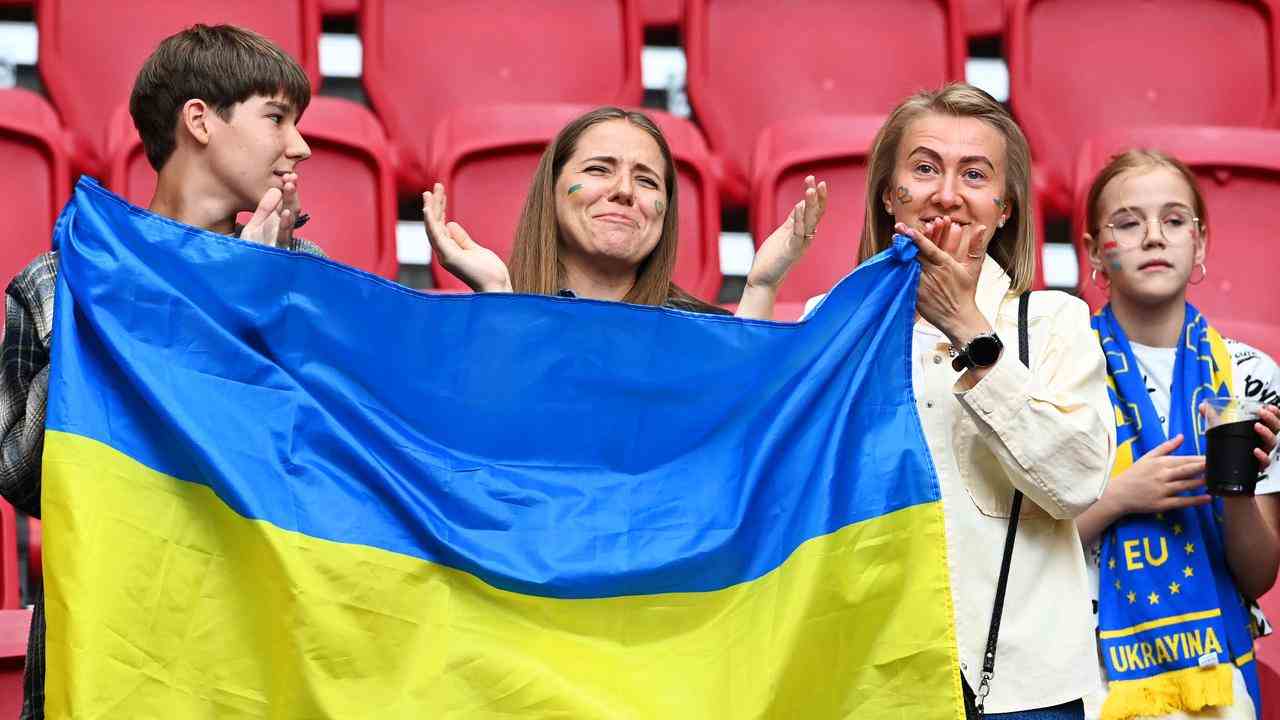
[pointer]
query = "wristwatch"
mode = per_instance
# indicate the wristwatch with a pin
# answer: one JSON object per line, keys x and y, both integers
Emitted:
{"x": 981, "y": 352}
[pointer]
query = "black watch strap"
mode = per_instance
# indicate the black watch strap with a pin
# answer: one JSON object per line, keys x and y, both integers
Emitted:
{"x": 964, "y": 358}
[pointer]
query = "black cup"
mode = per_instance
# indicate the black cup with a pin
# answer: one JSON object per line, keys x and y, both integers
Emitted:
{"x": 1230, "y": 467}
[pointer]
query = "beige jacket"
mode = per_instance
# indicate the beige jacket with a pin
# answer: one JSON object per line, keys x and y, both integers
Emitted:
{"x": 1049, "y": 432}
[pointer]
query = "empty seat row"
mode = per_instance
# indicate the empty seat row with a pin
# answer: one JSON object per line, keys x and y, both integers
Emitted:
{"x": 486, "y": 155}
{"x": 752, "y": 64}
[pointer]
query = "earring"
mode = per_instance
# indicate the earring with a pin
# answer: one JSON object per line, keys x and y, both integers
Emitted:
{"x": 1093, "y": 278}
{"x": 1204, "y": 273}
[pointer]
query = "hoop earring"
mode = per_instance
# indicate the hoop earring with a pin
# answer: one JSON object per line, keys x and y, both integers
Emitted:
{"x": 1093, "y": 278}
{"x": 1204, "y": 273}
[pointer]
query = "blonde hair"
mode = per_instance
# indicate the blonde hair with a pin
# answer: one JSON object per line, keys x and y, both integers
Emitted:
{"x": 535, "y": 259}
{"x": 1139, "y": 159}
{"x": 1014, "y": 245}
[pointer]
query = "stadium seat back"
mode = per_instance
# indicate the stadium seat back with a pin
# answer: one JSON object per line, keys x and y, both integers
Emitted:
{"x": 831, "y": 148}
{"x": 15, "y": 625}
{"x": 984, "y": 18}
{"x": 36, "y": 181}
{"x": 662, "y": 13}
{"x": 1267, "y": 650}
{"x": 347, "y": 185}
{"x": 1239, "y": 174}
{"x": 1079, "y": 68}
{"x": 753, "y": 63}
{"x": 488, "y": 156}
{"x": 425, "y": 59}
{"x": 90, "y": 52}
{"x": 9, "y": 588}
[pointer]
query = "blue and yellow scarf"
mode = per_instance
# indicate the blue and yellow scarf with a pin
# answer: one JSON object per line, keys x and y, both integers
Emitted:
{"x": 1169, "y": 615}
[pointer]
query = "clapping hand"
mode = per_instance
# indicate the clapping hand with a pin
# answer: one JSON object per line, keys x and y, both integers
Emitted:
{"x": 788, "y": 243}
{"x": 780, "y": 251}
{"x": 480, "y": 268}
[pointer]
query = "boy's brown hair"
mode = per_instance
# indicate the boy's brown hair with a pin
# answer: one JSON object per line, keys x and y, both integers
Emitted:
{"x": 220, "y": 64}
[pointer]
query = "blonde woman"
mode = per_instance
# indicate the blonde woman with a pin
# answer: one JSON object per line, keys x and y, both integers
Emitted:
{"x": 952, "y": 170}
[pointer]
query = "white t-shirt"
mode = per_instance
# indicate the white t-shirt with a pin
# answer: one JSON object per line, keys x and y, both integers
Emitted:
{"x": 1254, "y": 376}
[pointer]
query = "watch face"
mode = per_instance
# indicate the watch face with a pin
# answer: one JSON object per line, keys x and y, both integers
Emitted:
{"x": 984, "y": 350}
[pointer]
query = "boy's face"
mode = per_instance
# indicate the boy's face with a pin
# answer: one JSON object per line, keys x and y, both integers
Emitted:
{"x": 255, "y": 148}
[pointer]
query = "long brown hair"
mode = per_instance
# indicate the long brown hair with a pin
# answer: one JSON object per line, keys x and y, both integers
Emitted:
{"x": 535, "y": 259}
{"x": 1013, "y": 246}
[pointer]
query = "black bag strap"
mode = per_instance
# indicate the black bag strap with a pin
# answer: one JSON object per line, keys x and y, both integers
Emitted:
{"x": 1015, "y": 509}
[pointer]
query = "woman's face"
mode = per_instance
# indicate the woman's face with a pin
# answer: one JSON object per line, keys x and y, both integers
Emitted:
{"x": 1148, "y": 241}
{"x": 949, "y": 165}
{"x": 611, "y": 197}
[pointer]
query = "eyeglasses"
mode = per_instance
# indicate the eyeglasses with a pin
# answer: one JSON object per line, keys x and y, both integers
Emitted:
{"x": 1176, "y": 227}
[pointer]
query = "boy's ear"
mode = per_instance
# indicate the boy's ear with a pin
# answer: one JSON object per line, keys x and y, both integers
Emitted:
{"x": 194, "y": 120}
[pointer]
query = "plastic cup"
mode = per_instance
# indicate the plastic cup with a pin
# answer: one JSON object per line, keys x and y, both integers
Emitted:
{"x": 1230, "y": 467}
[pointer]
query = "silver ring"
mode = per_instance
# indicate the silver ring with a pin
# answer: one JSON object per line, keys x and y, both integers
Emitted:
{"x": 975, "y": 257}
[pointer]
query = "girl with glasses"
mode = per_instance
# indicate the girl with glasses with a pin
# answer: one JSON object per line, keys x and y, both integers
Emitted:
{"x": 1172, "y": 567}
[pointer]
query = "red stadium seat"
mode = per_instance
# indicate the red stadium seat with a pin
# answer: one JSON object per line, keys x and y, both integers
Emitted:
{"x": 487, "y": 155}
{"x": 1079, "y": 68}
{"x": 425, "y": 59}
{"x": 1267, "y": 650}
{"x": 833, "y": 148}
{"x": 90, "y": 52}
{"x": 14, "y": 627}
{"x": 984, "y": 18}
{"x": 36, "y": 180}
{"x": 8, "y": 557}
{"x": 339, "y": 8}
{"x": 1239, "y": 173}
{"x": 662, "y": 13}
{"x": 1269, "y": 686}
{"x": 753, "y": 63}
{"x": 347, "y": 185}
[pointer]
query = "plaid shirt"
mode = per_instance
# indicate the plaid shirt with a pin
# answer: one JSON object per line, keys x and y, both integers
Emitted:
{"x": 24, "y": 390}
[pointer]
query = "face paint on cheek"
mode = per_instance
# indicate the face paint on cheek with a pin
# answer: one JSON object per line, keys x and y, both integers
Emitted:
{"x": 1111, "y": 253}
{"x": 574, "y": 188}
{"x": 999, "y": 203}
{"x": 658, "y": 206}
{"x": 904, "y": 195}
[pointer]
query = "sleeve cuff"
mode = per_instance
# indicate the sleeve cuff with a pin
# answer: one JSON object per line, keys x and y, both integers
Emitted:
{"x": 1001, "y": 394}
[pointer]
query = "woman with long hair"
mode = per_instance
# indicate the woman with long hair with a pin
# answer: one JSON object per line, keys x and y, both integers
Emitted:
{"x": 601, "y": 221}
{"x": 951, "y": 169}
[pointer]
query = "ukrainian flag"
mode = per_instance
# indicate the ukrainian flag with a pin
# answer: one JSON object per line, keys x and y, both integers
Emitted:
{"x": 275, "y": 486}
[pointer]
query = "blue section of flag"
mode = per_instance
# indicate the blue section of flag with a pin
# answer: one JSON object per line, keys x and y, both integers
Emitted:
{"x": 550, "y": 446}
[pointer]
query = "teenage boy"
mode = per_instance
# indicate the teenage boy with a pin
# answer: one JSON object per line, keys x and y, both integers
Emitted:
{"x": 217, "y": 110}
